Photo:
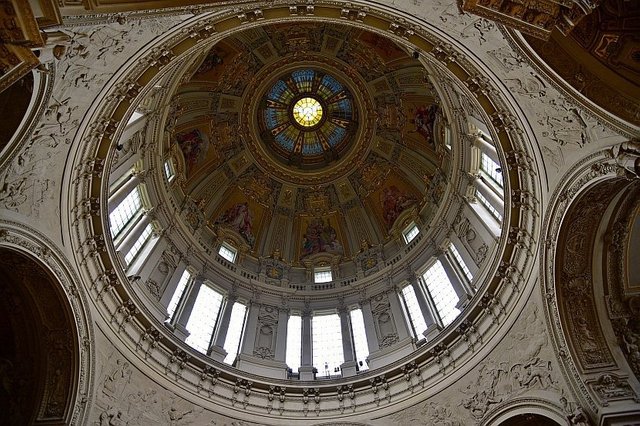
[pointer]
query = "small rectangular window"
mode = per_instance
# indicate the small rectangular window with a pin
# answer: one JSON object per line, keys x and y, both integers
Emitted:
{"x": 140, "y": 242}
{"x": 203, "y": 318}
{"x": 228, "y": 252}
{"x": 168, "y": 170}
{"x": 460, "y": 262}
{"x": 178, "y": 293}
{"x": 410, "y": 233}
{"x": 234, "y": 333}
{"x": 322, "y": 275}
{"x": 294, "y": 342}
{"x": 495, "y": 213}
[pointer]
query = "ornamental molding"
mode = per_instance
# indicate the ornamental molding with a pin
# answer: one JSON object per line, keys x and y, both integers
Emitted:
{"x": 25, "y": 240}
{"x": 153, "y": 345}
{"x": 597, "y": 168}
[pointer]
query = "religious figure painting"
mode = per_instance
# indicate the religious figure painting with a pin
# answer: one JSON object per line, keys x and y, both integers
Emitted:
{"x": 239, "y": 218}
{"x": 424, "y": 119}
{"x": 320, "y": 237}
{"x": 194, "y": 145}
{"x": 394, "y": 202}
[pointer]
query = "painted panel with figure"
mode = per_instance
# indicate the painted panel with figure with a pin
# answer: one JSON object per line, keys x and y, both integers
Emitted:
{"x": 194, "y": 145}
{"x": 242, "y": 215}
{"x": 320, "y": 235}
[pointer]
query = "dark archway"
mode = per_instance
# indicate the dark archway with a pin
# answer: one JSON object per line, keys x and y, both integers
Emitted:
{"x": 38, "y": 344}
{"x": 529, "y": 420}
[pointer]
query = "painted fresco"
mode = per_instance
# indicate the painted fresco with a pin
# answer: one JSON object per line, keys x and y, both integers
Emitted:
{"x": 394, "y": 202}
{"x": 194, "y": 145}
{"x": 239, "y": 218}
{"x": 424, "y": 118}
{"x": 320, "y": 237}
{"x": 383, "y": 46}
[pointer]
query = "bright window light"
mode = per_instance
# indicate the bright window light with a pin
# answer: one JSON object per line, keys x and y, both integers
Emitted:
{"x": 203, "y": 318}
{"x": 410, "y": 233}
{"x": 168, "y": 170}
{"x": 234, "y": 332}
{"x": 460, "y": 261}
{"x": 495, "y": 213}
{"x": 490, "y": 168}
{"x": 359, "y": 338}
{"x": 294, "y": 342}
{"x": 322, "y": 276}
{"x": 177, "y": 295}
{"x": 126, "y": 210}
{"x": 442, "y": 293}
{"x": 140, "y": 242}
{"x": 327, "y": 344}
{"x": 416, "y": 318}
{"x": 228, "y": 252}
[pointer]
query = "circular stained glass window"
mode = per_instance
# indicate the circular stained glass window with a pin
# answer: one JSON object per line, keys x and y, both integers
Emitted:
{"x": 307, "y": 112}
{"x": 307, "y": 118}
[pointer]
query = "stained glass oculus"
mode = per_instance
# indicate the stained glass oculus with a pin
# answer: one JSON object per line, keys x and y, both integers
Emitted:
{"x": 307, "y": 118}
{"x": 307, "y": 112}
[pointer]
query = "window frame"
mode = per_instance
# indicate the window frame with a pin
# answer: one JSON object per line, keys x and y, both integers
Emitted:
{"x": 409, "y": 231}
{"x": 231, "y": 249}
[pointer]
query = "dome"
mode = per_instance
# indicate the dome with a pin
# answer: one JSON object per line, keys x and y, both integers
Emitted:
{"x": 318, "y": 213}
{"x": 332, "y": 180}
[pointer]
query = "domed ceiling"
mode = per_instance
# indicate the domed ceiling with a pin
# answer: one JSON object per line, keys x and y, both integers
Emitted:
{"x": 309, "y": 141}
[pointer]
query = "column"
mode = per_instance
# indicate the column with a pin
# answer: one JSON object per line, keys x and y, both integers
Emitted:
{"x": 281, "y": 342}
{"x": 457, "y": 282}
{"x": 433, "y": 328}
{"x": 398, "y": 315}
{"x": 172, "y": 284}
{"x": 132, "y": 236}
{"x": 216, "y": 349}
{"x": 152, "y": 260}
{"x": 250, "y": 329}
{"x": 486, "y": 147}
{"x": 348, "y": 367}
{"x": 306, "y": 364}
{"x": 369, "y": 326}
{"x": 184, "y": 311}
{"x": 496, "y": 201}
{"x": 122, "y": 192}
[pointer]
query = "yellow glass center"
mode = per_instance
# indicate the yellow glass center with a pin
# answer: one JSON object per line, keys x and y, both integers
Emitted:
{"x": 307, "y": 112}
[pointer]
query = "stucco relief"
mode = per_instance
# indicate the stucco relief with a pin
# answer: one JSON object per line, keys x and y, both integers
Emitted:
{"x": 574, "y": 276}
{"x": 28, "y": 183}
{"x": 266, "y": 332}
{"x": 383, "y": 319}
{"x": 528, "y": 367}
{"x": 126, "y": 397}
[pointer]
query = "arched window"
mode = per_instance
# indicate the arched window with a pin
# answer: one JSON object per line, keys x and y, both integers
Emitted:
{"x": 294, "y": 342}
{"x": 415, "y": 318}
{"x": 327, "y": 344}
{"x": 359, "y": 338}
{"x": 178, "y": 294}
{"x": 442, "y": 293}
{"x": 234, "y": 333}
{"x": 128, "y": 209}
{"x": 203, "y": 318}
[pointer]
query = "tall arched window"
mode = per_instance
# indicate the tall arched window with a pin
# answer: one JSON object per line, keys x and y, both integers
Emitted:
{"x": 203, "y": 318}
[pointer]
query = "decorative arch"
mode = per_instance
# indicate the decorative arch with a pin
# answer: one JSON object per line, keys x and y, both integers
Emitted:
{"x": 45, "y": 340}
{"x": 587, "y": 238}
